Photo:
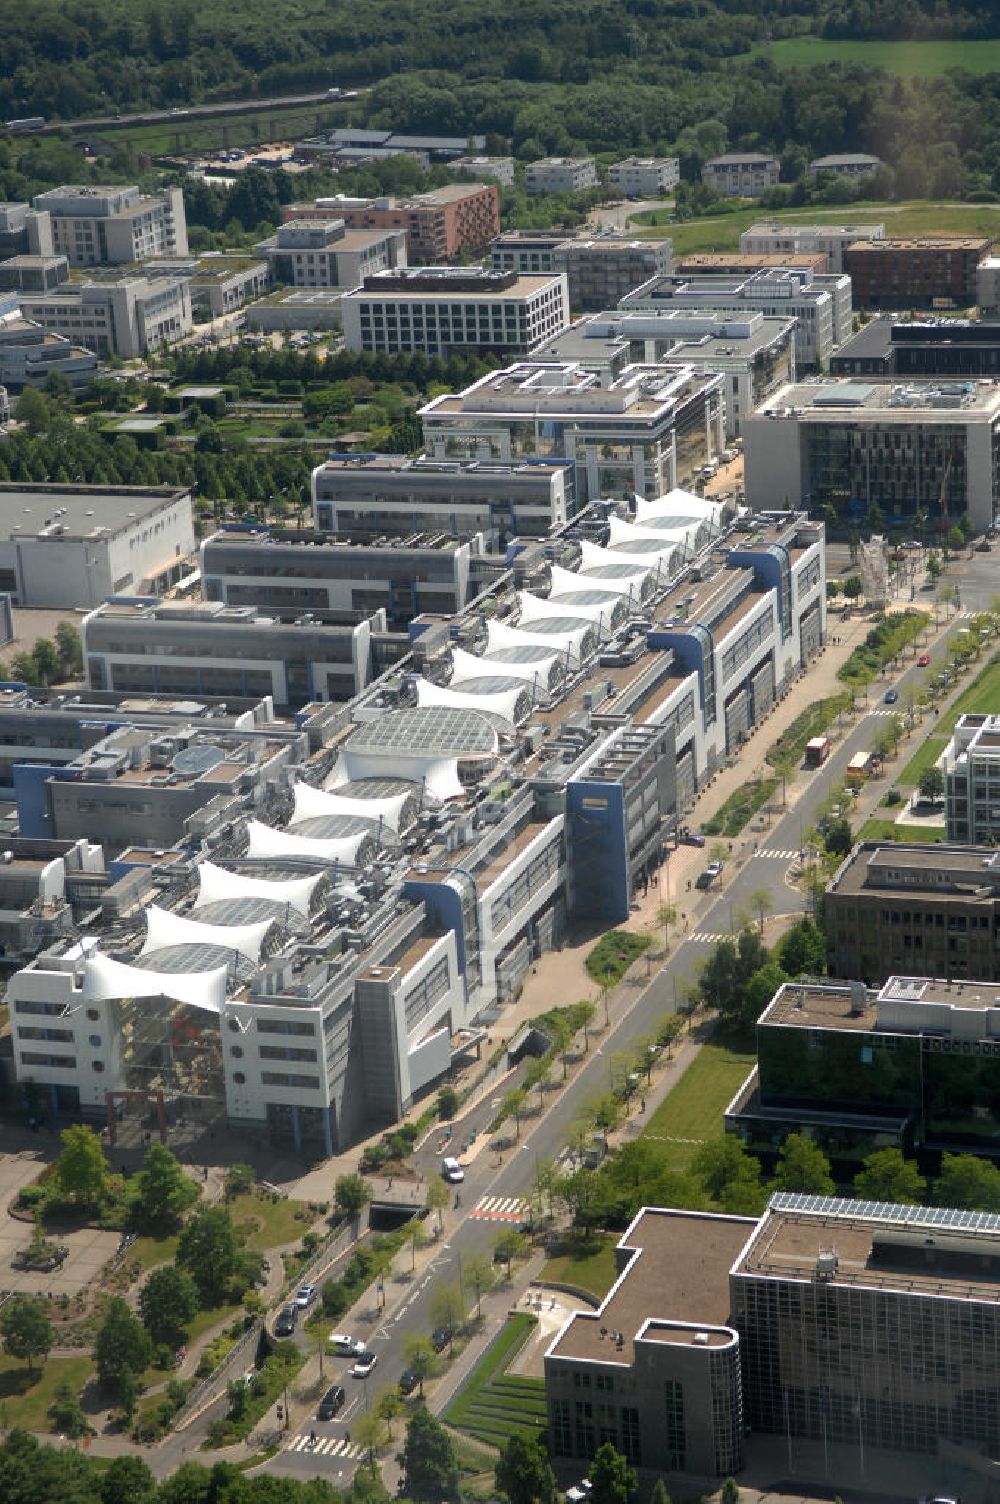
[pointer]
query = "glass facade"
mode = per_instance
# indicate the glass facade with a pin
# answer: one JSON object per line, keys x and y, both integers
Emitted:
{"x": 902, "y": 467}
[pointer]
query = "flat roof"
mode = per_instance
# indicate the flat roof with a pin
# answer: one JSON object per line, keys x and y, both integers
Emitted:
{"x": 923, "y": 243}
{"x": 905, "y": 400}
{"x": 26, "y": 511}
{"x": 678, "y": 1273}
{"x": 966, "y": 868}
{"x": 395, "y": 289}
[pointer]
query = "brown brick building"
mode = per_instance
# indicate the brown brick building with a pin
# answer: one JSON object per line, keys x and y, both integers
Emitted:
{"x": 442, "y": 225}
{"x": 919, "y": 271}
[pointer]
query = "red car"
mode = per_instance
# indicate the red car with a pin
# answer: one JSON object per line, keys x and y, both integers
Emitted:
{"x": 923, "y": 660}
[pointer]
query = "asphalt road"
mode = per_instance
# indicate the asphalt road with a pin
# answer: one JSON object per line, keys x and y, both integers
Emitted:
{"x": 191, "y": 112}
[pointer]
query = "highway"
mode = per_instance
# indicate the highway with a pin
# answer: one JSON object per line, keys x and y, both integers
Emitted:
{"x": 182, "y": 115}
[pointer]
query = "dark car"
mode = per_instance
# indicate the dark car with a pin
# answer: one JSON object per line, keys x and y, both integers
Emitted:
{"x": 691, "y": 837}
{"x": 408, "y": 1381}
{"x": 891, "y": 696}
{"x": 287, "y": 1321}
{"x": 706, "y": 878}
{"x": 331, "y": 1402}
{"x": 440, "y": 1337}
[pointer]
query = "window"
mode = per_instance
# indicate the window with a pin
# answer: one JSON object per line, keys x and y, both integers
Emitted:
{"x": 562, "y": 1433}
{"x": 94, "y": 1040}
{"x": 93, "y": 1015}
{"x": 239, "y": 1078}
{"x": 97, "y": 1066}
{"x": 676, "y": 1433}
{"x": 236, "y": 1051}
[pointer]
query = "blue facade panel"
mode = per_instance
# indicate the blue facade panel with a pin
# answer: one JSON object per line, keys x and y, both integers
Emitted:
{"x": 597, "y": 848}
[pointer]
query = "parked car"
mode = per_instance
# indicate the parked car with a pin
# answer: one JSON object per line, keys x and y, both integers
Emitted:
{"x": 923, "y": 660}
{"x": 440, "y": 1337}
{"x": 408, "y": 1381}
{"x": 705, "y": 879}
{"x": 288, "y": 1318}
{"x": 452, "y": 1170}
{"x": 691, "y": 837}
{"x": 890, "y": 697}
{"x": 331, "y": 1402}
{"x": 345, "y": 1346}
{"x": 363, "y": 1365}
{"x": 579, "y": 1492}
{"x": 305, "y": 1297}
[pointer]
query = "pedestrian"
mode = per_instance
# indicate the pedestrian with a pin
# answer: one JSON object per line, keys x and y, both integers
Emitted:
{"x": 642, "y": 1104}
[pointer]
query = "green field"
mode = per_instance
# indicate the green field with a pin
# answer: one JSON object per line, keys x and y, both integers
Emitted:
{"x": 692, "y": 1112}
{"x": 25, "y": 1397}
{"x": 590, "y": 1264}
{"x": 908, "y": 59}
{"x": 925, "y": 757}
{"x": 492, "y": 1403}
{"x": 887, "y": 830}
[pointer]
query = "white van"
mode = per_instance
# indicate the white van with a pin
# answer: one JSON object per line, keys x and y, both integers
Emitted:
{"x": 452, "y": 1171}
{"x": 344, "y": 1346}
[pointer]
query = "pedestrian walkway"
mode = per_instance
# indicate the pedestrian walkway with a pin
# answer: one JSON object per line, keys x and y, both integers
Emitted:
{"x": 326, "y": 1446}
{"x": 499, "y": 1209}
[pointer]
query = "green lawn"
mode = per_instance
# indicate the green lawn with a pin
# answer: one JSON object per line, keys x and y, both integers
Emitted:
{"x": 591, "y": 1265}
{"x": 612, "y": 956}
{"x": 908, "y": 59}
{"x": 269, "y": 1224}
{"x": 692, "y": 1112}
{"x": 887, "y": 830}
{"x": 741, "y": 806}
{"x": 152, "y": 1251}
{"x": 982, "y": 696}
{"x": 25, "y": 1398}
{"x": 492, "y": 1403}
{"x": 925, "y": 757}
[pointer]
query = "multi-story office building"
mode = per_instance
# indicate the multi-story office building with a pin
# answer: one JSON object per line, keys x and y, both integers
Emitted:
{"x": 560, "y": 175}
{"x": 526, "y": 251}
{"x": 856, "y": 165}
{"x": 821, "y": 305}
{"x": 602, "y": 270}
{"x": 988, "y": 287}
{"x": 919, "y": 271}
{"x": 130, "y": 318}
{"x": 497, "y": 169}
{"x": 935, "y": 908}
{"x": 95, "y": 225}
{"x": 219, "y": 284}
{"x": 747, "y": 263}
{"x": 971, "y": 767}
{"x": 213, "y": 651}
{"x": 645, "y": 177}
{"x": 44, "y": 887}
{"x": 645, "y": 431}
{"x": 943, "y": 347}
{"x": 442, "y": 226}
{"x": 451, "y": 310}
{"x": 362, "y": 497}
{"x": 747, "y": 174}
{"x": 776, "y": 237}
{"x": 311, "y": 253}
{"x": 33, "y": 273}
{"x": 926, "y": 446}
{"x": 24, "y": 231}
{"x": 71, "y": 546}
{"x": 755, "y": 355}
{"x": 287, "y": 572}
{"x": 28, "y": 351}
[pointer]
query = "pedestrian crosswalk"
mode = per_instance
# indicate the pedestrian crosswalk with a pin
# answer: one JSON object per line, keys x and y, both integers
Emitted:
{"x": 886, "y": 710}
{"x": 325, "y": 1446}
{"x": 708, "y": 937}
{"x": 778, "y": 853}
{"x": 499, "y": 1209}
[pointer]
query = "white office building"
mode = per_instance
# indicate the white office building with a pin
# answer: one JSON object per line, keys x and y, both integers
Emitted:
{"x": 494, "y": 169}
{"x": 777, "y": 237}
{"x": 324, "y": 253}
{"x": 127, "y": 318}
{"x": 645, "y": 177}
{"x": 970, "y": 764}
{"x": 747, "y": 174}
{"x": 560, "y": 175}
{"x": 449, "y": 309}
{"x": 94, "y": 226}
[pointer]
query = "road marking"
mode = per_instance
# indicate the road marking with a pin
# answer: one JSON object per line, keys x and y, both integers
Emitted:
{"x": 331, "y": 1446}
{"x": 707, "y": 937}
{"x": 499, "y": 1209}
{"x": 779, "y": 854}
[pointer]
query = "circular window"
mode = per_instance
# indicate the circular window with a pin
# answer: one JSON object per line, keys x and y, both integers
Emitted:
{"x": 97, "y": 1066}
{"x": 239, "y": 1078}
{"x": 236, "y": 1051}
{"x": 93, "y": 1015}
{"x": 95, "y": 1041}
{"x": 234, "y": 1026}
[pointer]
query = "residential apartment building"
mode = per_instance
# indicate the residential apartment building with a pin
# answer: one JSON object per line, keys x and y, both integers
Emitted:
{"x": 925, "y": 447}
{"x": 821, "y": 305}
{"x": 442, "y": 226}
{"x": 645, "y": 431}
{"x": 919, "y": 271}
{"x": 645, "y": 177}
{"x": 560, "y": 175}
{"x": 361, "y": 497}
{"x": 447, "y": 310}
{"x": 70, "y": 546}
{"x": 311, "y": 253}
{"x": 603, "y": 269}
{"x": 497, "y": 169}
{"x": 856, "y": 165}
{"x": 777, "y": 237}
{"x": 970, "y": 764}
{"x": 28, "y": 352}
{"x": 91, "y": 226}
{"x": 24, "y": 231}
{"x": 127, "y": 318}
{"x": 741, "y": 174}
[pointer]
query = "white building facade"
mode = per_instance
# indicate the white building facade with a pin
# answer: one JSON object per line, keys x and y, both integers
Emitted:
{"x": 95, "y": 226}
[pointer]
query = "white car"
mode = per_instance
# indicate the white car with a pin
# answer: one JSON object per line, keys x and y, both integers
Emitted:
{"x": 579, "y": 1492}
{"x": 305, "y": 1297}
{"x": 344, "y": 1346}
{"x": 364, "y": 1365}
{"x": 452, "y": 1171}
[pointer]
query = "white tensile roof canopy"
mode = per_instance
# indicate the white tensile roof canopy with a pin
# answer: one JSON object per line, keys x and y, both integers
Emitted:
{"x": 266, "y": 841}
{"x": 499, "y": 634}
{"x": 105, "y": 978}
{"x": 164, "y": 928}
{"x": 502, "y": 702}
{"x": 215, "y": 883}
{"x": 311, "y": 802}
{"x": 467, "y": 666}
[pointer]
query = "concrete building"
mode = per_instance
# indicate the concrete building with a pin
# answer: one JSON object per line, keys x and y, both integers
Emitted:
{"x": 526, "y": 251}
{"x": 755, "y": 355}
{"x": 213, "y": 651}
{"x": 941, "y": 347}
{"x": 777, "y": 237}
{"x": 646, "y": 431}
{"x": 28, "y": 352}
{"x": 91, "y": 226}
{"x": 442, "y": 226}
{"x": 645, "y": 177}
{"x": 918, "y": 271}
{"x": 603, "y": 269}
{"x": 127, "y": 318}
{"x": 747, "y": 263}
{"x": 821, "y": 305}
{"x": 33, "y": 273}
{"x": 560, "y": 175}
{"x": 926, "y": 446}
{"x": 449, "y": 310}
{"x": 933, "y": 908}
{"x": 988, "y": 287}
{"x": 71, "y": 546}
{"x": 311, "y": 253}
{"x": 219, "y": 284}
{"x": 856, "y": 165}
{"x": 315, "y": 308}
{"x": 361, "y": 140}
{"x": 746, "y": 174}
{"x": 970, "y": 764}
{"x": 287, "y": 571}
{"x": 24, "y": 231}
{"x": 497, "y": 169}
{"x": 362, "y": 497}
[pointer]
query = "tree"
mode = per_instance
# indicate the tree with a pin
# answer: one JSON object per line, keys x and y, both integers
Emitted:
{"x": 66, "y": 1413}
{"x": 659, "y": 1494}
{"x": 837, "y": 837}
{"x": 447, "y": 1307}
{"x": 512, "y": 1106}
{"x": 666, "y": 914}
{"x": 421, "y": 1358}
{"x": 69, "y": 647}
{"x": 167, "y": 1302}
{"x": 931, "y": 783}
{"x": 428, "y": 1460}
{"x": 33, "y": 411}
{"x": 956, "y": 540}
{"x": 933, "y": 566}
{"x": 240, "y": 1181}
{"x": 80, "y": 1171}
{"x": 46, "y": 659}
{"x": 416, "y": 1236}
{"x": 729, "y": 1493}
{"x": 438, "y": 1197}
{"x": 477, "y": 1274}
{"x": 762, "y": 904}
{"x": 968, "y": 1183}
{"x": 802, "y": 1166}
{"x": 613, "y": 1479}
{"x": 161, "y": 1191}
{"x": 523, "y": 1472}
{"x": 729, "y": 1174}
{"x": 801, "y": 951}
{"x": 351, "y": 1194}
{"x": 128, "y": 1481}
{"x": 887, "y": 1176}
{"x": 123, "y": 1346}
{"x": 388, "y": 1405}
{"x": 209, "y": 1251}
{"x": 26, "y": 1329}
{"x": 509, "y": 1246}
{"x": 447, "y": 1102}
{"x": 372, "y": 1433}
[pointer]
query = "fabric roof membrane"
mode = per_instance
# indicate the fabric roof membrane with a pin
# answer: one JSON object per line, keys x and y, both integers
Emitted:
{"x": 501, "y": 702}
{"x": 164, "y": 927}
{"x": 311, "y": 802}
{"x": 467, "y": 666}
{"x": 215, "y": 883}
{"x": 105, "y": 978}
{"x": 266, "y": 841}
